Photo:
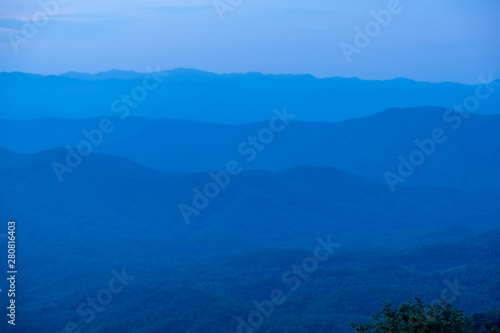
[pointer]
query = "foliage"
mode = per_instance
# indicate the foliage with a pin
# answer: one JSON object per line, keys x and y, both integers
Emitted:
{"x": 422, "y": 318}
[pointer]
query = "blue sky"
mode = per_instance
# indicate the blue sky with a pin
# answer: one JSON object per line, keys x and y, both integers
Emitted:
{"x": 445, "y": 40}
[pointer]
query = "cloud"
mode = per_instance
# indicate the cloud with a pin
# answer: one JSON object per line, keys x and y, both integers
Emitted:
{"x": 11, "y": 23}
{"x": 178, "y": 9}
{"x": 85, "y": 17}
{"x": 5, "y": 31}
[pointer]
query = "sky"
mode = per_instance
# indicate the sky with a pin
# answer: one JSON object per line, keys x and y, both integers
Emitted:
{"x": 427, "y": 40}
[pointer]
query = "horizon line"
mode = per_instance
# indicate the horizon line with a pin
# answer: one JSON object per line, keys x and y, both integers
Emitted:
{"x": 246, "y": 73}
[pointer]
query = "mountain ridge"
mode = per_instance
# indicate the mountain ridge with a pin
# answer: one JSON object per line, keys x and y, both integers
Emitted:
{"x": 294, "y": 205}
{"x": 225, "y": 98}
{"x": 368, "y": 147}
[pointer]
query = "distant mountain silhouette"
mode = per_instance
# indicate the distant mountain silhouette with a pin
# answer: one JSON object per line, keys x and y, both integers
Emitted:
{"x": 112, "y": 74}
{"x": 368, "y": 147}
{"x": 228, "y": 98}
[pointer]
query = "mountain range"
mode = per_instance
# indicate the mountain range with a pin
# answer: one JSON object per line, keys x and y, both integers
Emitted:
{"x": 214, "y": 192}
{"x": 189, "y": 94}
{"x": 372, "y": 147}
{"x": 113, "y": 213}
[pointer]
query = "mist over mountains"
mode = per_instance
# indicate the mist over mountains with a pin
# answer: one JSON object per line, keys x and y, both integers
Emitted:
{"x": 213, "y": 191}
{"x": 228, "y": 99}
{"x": 112, "y": 212}
{"x": 465, "y": 157}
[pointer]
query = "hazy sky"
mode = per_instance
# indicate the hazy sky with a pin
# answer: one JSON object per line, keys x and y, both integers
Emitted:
{"x": 434, "y": 40}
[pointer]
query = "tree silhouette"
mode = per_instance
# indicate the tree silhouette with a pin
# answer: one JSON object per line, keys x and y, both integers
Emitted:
{"x": 418, "y": 317}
